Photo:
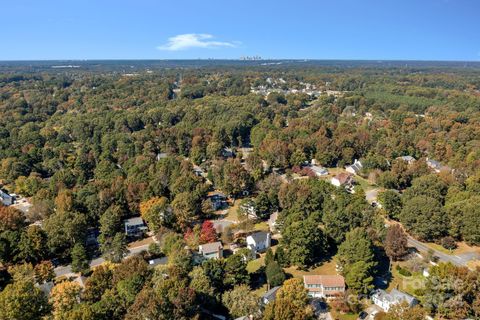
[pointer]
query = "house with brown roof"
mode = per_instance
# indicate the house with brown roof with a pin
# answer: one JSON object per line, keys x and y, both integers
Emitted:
{"x": 324, "y": 286}
{"x": 213, "y": 250}
{"x": 343, "y": 179}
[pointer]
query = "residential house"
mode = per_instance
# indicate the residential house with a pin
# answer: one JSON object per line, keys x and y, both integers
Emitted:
{"x": 213, "y": 250}
{"x": 6, "y": 198}
{"x": 259, "y": 241}
{"x": 342, "y": 180}
{"x": 218, "y": 199}
{"x": 158, "y": 261}
{"x": 270, "y": 295}
{"x": 407, "y": 159}
{"x": 161, "y": 155}
{"x": 81, "y": 280}
{"x": 324, "y": 286}
{"x": 355, "y": 168}
{"x": 45, "y": 287}
{"x": 437, "y": 166}
{"x": 272, "y": 221}
{"x": 91, "y": 237}
{"x": 228, "y": 153}
{"x": 386, "y": 300}
{"x": 319, "y": 171}
{"x": 135, "y": 227}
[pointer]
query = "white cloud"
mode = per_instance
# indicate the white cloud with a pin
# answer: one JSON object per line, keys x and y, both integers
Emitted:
{"x": 194, "y": 40}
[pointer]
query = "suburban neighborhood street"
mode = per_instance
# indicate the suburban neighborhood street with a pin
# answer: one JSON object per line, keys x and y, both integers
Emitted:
{"x": 67, "y": 270}
{"x": 456, "y": 260}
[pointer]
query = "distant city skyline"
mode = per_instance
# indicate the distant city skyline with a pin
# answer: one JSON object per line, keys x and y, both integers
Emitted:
{"x": 444, "y": 30}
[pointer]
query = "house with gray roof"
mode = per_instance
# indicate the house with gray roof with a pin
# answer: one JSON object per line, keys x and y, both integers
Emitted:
{"x": 6, "y": 198}
{"x": 354, "y": 168}
{"x": 437, "y": 166}
{"x": 386, "y": 300}
{"x": 270, "y": 295}
{"x": 319, "y": 171}
{"x": 135, "y": 227}
{"x": 407, "y": 159}
{"x": 259, "y": 241}
{"x": 213, "y": 250}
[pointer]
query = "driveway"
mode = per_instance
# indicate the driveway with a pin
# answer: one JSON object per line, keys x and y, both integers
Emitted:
{"x": 220, "y": 225}
{"x": 372, "y": 311}
{"x": 371, "y": 195}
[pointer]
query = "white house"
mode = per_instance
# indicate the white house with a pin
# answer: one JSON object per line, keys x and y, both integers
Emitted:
{"x": 355, "y": 168}
{"x": 407, "y": 159}
{"x": 437, "y": 166}
{"x": 319, "y": 171}
{"x": 342, "y": 179}
{"x": 259, "y": 241}
{"x": 386, "y": 300}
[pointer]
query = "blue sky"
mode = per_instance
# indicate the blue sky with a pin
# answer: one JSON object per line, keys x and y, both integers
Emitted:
{"x": 189, "y": 29}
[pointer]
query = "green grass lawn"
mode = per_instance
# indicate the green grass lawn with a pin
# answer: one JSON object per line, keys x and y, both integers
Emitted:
{"x": 327, "y": 268}
{"x": 260, "y": 291}
{"x": 263, "y": 226}
{"x": 406, "y": 284}
{"x": 254, "y": 265}
{"x": 346, "y": 316}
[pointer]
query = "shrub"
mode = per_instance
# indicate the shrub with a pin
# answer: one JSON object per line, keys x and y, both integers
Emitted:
{"x": 448, "y": 243}
{"x": 403, "y": 272}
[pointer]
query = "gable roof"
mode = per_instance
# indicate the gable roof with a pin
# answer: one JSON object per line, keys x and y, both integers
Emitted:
{"x": 402, "y": 296}
{"x": 343, "y": 177}
{"x": 356, "y": 166}
{"x": 324, "y": 280}
{"x": 434, "y": 163}
{"x": 134, "y": 221}
{"x": 260, "y": 236}
{"x": 407, "y": 158}
{"x": 271, "y": 294}
{"x": 320, "y": 170}
{"x": 5, "y": 195}
{"x": 211, "y": 247}
{"x": 395, "y": 296}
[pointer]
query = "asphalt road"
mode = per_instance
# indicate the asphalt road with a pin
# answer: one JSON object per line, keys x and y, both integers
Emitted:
{"x": 456, "y": 260}
{"x": 67, "y": 270}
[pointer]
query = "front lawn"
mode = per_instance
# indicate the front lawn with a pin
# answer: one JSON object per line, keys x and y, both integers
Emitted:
{"x": 346, "y": 316}
{"x": 406, "y": 284}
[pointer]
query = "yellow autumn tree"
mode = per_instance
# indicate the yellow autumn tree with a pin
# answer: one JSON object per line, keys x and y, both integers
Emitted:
{"x": 156, "y": 212}
{"x": 64, "y": 297}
